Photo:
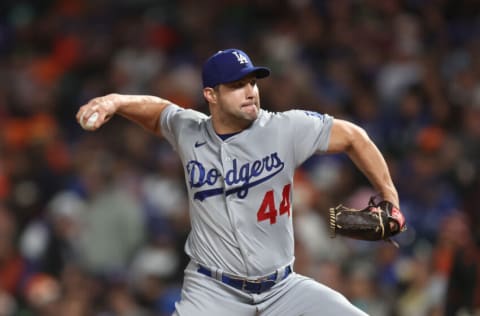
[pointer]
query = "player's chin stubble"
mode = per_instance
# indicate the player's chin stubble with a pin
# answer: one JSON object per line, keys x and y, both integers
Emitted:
{"x": 251, "y": 111}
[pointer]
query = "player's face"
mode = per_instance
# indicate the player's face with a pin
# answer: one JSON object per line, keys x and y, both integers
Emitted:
{"x": 238, "y": 102}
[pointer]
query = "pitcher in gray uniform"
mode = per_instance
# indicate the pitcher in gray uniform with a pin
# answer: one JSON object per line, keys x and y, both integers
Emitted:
{"x": 239, "y": 164}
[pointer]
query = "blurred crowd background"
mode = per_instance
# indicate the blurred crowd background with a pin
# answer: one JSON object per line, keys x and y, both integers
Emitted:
{"x": 94, "y": 223}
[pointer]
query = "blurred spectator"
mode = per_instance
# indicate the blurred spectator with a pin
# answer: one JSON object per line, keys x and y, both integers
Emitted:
{"x": 14, "y": 270}
{"x": 120, "y": 302}
{"x": 154, "y": 272}
{"x": 423, "y": 294}
{"x": 114, "y": 222}
{"x": 50, "y": 243}
{"x": 363, "y": 290}
{"x": 463, "y": 293}
{"x": 42, "y": 294}
{"x": 82, "y": 293}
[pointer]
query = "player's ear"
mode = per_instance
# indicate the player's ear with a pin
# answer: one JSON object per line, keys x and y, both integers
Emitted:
{"x": 210, "y": 95}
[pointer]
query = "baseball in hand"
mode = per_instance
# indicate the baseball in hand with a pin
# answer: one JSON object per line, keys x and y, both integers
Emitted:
{"x": 90, "y": 122}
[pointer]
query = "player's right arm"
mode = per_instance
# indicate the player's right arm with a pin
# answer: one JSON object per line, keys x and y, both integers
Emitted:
{"x": 145, "y": 110}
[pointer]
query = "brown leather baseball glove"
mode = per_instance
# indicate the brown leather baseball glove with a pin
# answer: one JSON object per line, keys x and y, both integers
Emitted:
{"x": 377, "y": 221}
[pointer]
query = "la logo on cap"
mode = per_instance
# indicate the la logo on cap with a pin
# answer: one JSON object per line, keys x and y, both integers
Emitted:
{"x": 228, "y": 66}
{"x": 240, "y": 57}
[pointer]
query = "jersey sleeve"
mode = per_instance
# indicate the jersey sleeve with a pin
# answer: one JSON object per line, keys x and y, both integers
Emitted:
{"x": 311, "y": 133}
{"x": 175, "y": 119}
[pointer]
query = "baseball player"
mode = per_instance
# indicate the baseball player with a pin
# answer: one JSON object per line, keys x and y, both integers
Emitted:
{"x": 239, "y": 164}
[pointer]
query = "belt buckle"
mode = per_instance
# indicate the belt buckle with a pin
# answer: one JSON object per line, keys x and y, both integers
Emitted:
{"x": 246, "y": 281}
{"x": 264, "y": 282}
{"x": 260, "y": 285}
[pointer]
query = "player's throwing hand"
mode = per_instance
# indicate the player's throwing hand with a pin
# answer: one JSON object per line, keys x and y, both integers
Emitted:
{"x": 97, "y": 112}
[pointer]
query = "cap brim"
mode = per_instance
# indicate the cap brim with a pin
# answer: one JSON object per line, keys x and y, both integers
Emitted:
{"x": 260, "y": 72}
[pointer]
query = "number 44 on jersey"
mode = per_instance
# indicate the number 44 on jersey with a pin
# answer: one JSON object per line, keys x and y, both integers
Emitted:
{"x": 268, "y": 211}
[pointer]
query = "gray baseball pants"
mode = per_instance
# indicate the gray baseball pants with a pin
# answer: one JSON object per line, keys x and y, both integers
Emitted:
{"x": 297, "y": 295}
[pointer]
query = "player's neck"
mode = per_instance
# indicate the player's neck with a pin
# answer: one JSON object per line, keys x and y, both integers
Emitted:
{"x": 223, "y": 127}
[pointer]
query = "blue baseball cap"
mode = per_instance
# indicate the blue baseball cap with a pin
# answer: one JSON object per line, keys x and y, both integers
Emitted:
{"x": 229, "y": 65}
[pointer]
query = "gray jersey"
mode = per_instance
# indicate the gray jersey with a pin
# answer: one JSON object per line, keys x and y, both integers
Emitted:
{"x": 240, "y": 189}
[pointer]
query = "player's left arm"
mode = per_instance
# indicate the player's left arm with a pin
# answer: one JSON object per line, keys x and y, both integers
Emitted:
{"x": 353, "y": 140}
